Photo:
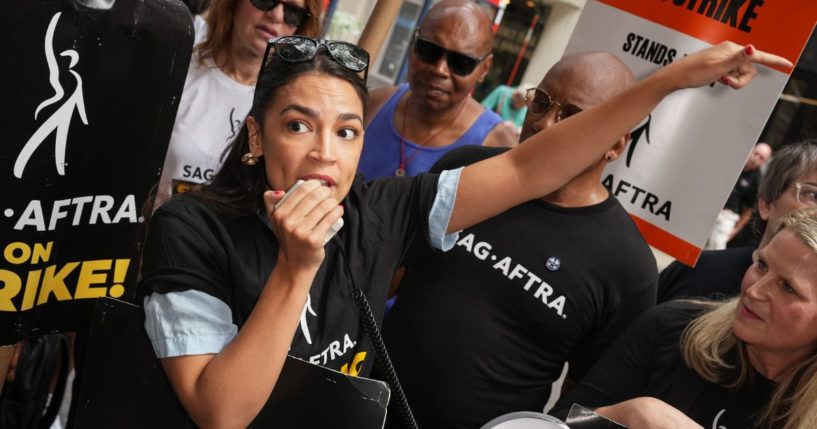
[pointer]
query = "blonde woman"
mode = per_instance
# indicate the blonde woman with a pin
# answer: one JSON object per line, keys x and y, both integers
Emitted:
{"x": 750, "y": 362}
{"x": 220, "y": 82}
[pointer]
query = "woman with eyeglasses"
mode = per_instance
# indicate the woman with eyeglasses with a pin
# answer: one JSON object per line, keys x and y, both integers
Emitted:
{"x": 750, "y": 362}
{"x": 790, "y": 183}
{"x": 230, "y": 40}
{"x": 235, "y": 276}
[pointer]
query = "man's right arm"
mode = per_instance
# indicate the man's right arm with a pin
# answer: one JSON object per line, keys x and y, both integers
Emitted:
{"x": 503, "y": 135}
{"x": 745, "y": 217}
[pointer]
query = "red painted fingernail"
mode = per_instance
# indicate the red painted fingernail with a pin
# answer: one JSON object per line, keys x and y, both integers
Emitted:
{"x": 749, "y": 50}
{"x": 277, "y": 192}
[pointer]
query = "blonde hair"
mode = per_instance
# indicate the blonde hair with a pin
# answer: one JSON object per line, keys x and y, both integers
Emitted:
{"x": 220, "y": 16}
{"x": 709, "y": 338}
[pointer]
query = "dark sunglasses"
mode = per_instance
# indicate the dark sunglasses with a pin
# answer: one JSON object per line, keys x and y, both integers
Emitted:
{"x": 294, "y": 15}
{"x": 458, "y": 63}
{"x": 539, "y": 102}
{"x": 299, "y": 49}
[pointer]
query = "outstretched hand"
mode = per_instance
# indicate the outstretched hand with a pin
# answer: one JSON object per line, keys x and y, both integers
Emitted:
{"x": 647, "y": 413}
{"x": 727, "y": 62}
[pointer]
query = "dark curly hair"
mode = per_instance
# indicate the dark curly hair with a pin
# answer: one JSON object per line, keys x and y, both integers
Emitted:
{"x": 237, "y": 189}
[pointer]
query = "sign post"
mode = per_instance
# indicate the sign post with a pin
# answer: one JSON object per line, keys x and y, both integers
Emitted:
{"x": 377, "y": 28}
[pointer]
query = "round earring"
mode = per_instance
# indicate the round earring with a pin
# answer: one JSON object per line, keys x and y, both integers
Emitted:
{"x": 249, "y": 159}
{"x": 608, "y": 157}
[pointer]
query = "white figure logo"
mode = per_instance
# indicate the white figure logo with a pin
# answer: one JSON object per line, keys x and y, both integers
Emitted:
{"x": 60, "y": 120}
{"x": 304, "y": 325}
{"x": 717, "y": 418}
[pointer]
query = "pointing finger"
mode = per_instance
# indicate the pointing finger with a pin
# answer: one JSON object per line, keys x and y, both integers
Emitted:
{"x": 765, "y": 58}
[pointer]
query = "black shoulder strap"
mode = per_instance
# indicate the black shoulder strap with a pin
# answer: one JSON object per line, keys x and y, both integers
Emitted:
{"x": 50, "y": 414}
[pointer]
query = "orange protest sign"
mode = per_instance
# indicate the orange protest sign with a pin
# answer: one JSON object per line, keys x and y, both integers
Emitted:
{"x": 779, "y": 27}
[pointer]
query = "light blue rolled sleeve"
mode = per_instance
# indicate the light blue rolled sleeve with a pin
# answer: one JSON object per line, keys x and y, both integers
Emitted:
{"x": 192, "y": 322}
{"x": 441, "y": 210}
{"x": 188, "y": 323}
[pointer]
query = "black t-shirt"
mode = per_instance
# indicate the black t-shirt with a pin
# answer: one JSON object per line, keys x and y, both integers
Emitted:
{"x": 751, "y": 234}
{"x": 717, "y": 275}
{"x": 744, "y": 194}
{"x": 720, "y": 407}
{"x": 485, "y": 328}
{"x": 646, "y": 361}
{"x": 190, "y": 246}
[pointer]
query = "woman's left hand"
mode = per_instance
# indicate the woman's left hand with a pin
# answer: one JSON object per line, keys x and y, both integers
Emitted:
{"x": 727, "y": 62}
{"x": 647, "y": 413}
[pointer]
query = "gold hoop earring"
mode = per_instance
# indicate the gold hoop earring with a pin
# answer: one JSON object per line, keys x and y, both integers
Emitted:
{"x": 249, "y": 159}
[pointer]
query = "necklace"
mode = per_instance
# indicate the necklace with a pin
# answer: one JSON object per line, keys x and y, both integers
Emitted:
{"x": 404, "y": 163}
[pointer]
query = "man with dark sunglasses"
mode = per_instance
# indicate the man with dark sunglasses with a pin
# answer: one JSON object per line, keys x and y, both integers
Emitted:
{"x": 486, "y": 328}
{"x": 410, "y": 127}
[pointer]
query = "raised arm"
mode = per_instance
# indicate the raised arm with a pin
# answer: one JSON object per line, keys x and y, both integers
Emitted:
{"x": 550, "y": 158}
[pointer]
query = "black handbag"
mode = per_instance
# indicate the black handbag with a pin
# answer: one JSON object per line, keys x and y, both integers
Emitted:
{"x": 28, "y": 402}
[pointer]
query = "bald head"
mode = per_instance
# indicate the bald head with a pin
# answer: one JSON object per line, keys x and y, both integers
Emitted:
{"x": 593, "y": 76}
{"x": 464, "y": 17}
{"x": 584, "y": 79}
{"x": 759, "y": 156}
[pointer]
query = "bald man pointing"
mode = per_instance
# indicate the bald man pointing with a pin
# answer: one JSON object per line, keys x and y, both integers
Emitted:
{"x": 486, "y": 328}
{"x": 409, "y": 127}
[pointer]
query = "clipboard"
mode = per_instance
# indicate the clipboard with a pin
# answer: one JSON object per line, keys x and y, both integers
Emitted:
{"x": 125, "y": 386}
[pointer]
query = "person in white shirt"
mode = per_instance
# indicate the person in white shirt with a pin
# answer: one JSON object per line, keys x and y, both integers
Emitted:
{"x": 230, "y": 41}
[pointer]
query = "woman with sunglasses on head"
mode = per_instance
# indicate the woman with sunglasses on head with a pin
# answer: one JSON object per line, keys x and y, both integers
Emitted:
{"x": 750, "y": 362}
{"x": 235, "y": 276}
{"x": 218, "y": 89}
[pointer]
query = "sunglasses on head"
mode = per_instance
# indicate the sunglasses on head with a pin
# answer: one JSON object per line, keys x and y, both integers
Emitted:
{"x": 458, "y": 63}
{"x": 539, "y": 102}
{"x": 298, "y": 49}
{"x": 294, "y": 15}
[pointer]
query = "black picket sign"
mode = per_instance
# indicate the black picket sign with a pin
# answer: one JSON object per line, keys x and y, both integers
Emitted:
{"x": 125, "y": 386}
{"x": 91, "y": 89}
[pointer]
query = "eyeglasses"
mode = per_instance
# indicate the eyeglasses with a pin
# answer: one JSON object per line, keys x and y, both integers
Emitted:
{"x": 539, "y": 102}
{"x": 294, "y": 15}
{"x": 806, "y": 194}
{"x": 298, "y": 49}
{"x": 458, "y": 63}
